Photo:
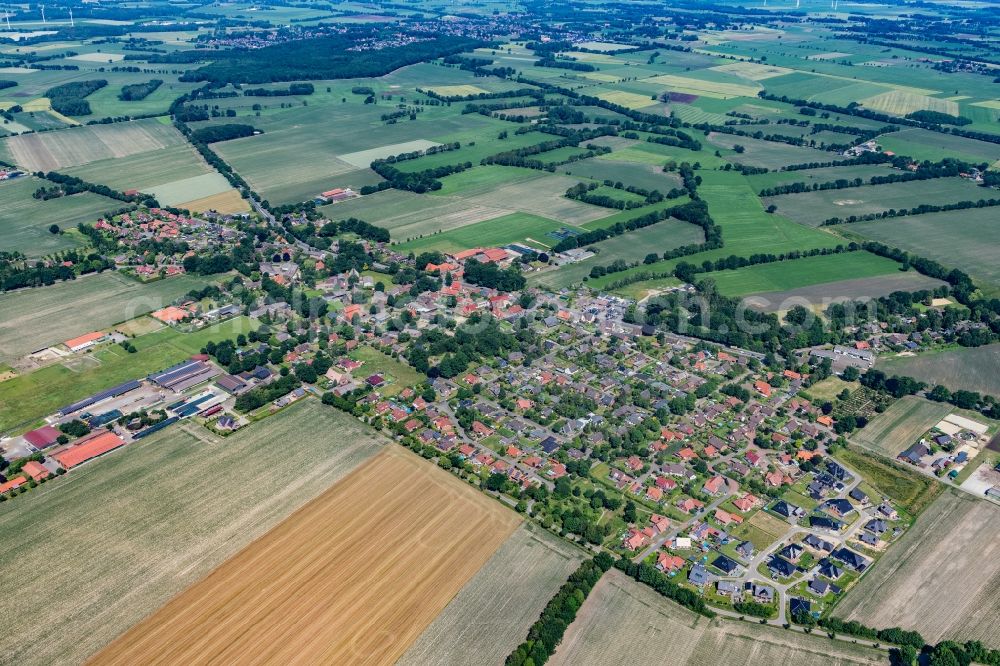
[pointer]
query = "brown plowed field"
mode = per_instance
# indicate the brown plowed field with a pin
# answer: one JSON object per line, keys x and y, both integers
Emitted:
{"x": 352, "y": 577}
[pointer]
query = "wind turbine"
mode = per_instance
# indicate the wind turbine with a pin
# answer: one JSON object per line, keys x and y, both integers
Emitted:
{"x": 43, "y": 14}
{"x": 6, "y": 17}
{"x": 72, "y": 24}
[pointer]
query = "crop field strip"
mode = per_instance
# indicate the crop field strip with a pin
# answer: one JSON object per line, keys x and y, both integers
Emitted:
{"x": 942, "y": 578}
{"x": 781, "y": 275}
{"x": 110, "y": 544}
{"x": 51, "y": 151}
{"x": 625, "y": 622}
{"x": 818, "y": 297}
{"x": 969, "y": 368}
{"x": 354, "y": 576}
{"x": 491, "y": 615}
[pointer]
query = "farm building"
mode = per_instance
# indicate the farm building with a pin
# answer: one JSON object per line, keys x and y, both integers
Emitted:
{"x": 85, "y": 341}
{"x": 35, "y": 470}
{"x": 337, "y": 194}
{"x": 42, "y": 437}
{"x": 13, "y": 484}
{"x": 184, "y": 375}
{"x": 121, "y": 389}
{"x": 93, "y": 445}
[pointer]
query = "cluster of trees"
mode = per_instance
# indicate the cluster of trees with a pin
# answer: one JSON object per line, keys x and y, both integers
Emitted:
{"x": 862, "y": 159}
{"x": 466, "y": 346}
{"x": 68, "y": 98}
{"x": 893, "y": 635}
{"x": 546, "y": 633}
{"x": 320, "y": 58}
{"x": 584, "y": 192}
{"x": 492, "y": 276}
{"x": 558, "y": 63}
{"x": 938, "y": 118}
{"x": 214, "y": 133}
{"x": 416, "y": 181}
{"x": 72, "y": 185}
{"x": 355, "y": 226}
{"x": 521, "y": 157}
{"x": 208, "y": 264}
{"x": 133, "y": 92}
{"x": 293, "y": 89}
{"x": 16, "y": 273}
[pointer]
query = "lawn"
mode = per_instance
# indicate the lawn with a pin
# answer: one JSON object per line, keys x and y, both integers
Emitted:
{"x": 746, "y": 228}
{"x": 122, "y": 535}
{"x": 67, "y": 309}
{"x": 28, "y": 397}
{"x": 25, "y": 221}
{"x": 923, "y": 144}
{"x": 399, "y": 374}
{"x": 782, "y": 275}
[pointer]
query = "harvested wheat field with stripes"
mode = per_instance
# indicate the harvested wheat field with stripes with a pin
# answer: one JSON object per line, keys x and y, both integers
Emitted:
{"x": 353, "y": 577}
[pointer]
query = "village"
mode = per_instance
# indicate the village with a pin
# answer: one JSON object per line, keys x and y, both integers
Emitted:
{"x": 695, "y": 458}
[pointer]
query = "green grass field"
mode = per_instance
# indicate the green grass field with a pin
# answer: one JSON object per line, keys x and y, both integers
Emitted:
{"x": 67, "y": 309}
{"x": 911, "y": 491}
{"x": 120, "y": 536}
{"x": 973, "y": 369}
{"x": 813, "y": 208}
{"x": 500, "y": 231}
{"x": 24, "y": 221}
{"x": 783, "y": 275}
{"x": 926, "y": 145}
{"x": 399, "y": 374}
{"x": 746, "y": 227}
{"x": 28, "y": 397}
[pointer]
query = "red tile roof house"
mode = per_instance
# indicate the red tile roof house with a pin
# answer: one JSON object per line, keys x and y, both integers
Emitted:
{"x": 13, "y": 484}
{"x": 35, "y": 470}
{"x": 690, "y": 504}
{"x": 660, "y": 523}
{"x": 715, "y": 485}
{"x": 746, "y": 502}
{"x": 654, "y": 494}
{"x": 665, "y": 483}
{"x": 480, "y": 429}
{"x": 666, "y": 562}
{"x": 686, "y": 454}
